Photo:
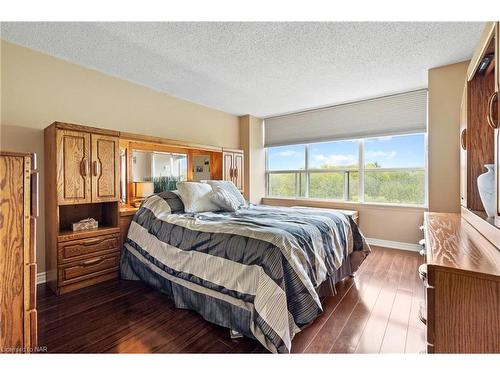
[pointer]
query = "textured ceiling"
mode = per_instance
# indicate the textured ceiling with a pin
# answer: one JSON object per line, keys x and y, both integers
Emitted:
{"x": 259, "y": 68}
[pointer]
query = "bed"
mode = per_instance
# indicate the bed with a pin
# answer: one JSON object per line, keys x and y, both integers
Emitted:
{"x": 260, "y": 270}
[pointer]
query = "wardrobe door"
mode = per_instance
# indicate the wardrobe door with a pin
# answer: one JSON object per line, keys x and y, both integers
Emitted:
{"x": 463, "y": 149}
{"x": 105, "y": 168}
{"x": 73, "y": 167}
{"x": 14, "y": 241}
{"x": 238, "y": 170}
{"x": 497, "y": 131}
{"x": 228, "y": 166}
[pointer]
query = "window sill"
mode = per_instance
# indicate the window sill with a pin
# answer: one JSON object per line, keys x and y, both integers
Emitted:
{"x": 329, "y": 203}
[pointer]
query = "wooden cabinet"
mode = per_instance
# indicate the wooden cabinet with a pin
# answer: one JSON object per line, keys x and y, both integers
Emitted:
{"x": 18, "y": 211}
{"x": 479, "y": 128}
{"x": 497, "y": 138}
{"x": 105, "y": 168}
{"x": 73, "y": 166}
{"x": 126, "y": 216}
{"x": 461, "y": 278}
{"x": 463, "y": 148}
{"x": 479, "y": 136}
{"x": 88, "y": 168}
{"x": 82, "y": 180}
{"x": 233, "y": 167}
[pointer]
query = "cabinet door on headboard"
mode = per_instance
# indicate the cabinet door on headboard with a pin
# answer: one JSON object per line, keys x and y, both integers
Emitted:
{"x": 73, "y": 167}
{"x": 238, "y": 170}
{"x": 463, "y": 148}
{"x": 105, "y": 168}
{"x": 497, "y": 160}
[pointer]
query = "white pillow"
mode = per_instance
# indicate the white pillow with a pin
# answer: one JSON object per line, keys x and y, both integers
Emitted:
{"x": 224, "y": 200}
{"x": 196, "y": 197}
{"x": 230, "y": 188}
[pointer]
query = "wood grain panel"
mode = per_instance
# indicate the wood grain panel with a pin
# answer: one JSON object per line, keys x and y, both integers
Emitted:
{"x": 169, "y": 142}
{"x": 89, "y": 267}
{"x": 453, "y": 243}
{"x": 73, "y": 167}
{"x": 125, "y": 221}
{"x": 480, "y": 137}
{"x": 12, "y": 244}
{"x": 497, "y": 139}
{"x": 51, "y": 211}
{"x": 82, "y": 248}
{"x": 463, "y": 148}
{"x": 84, "y": 128}
{"x": 462, "y": 286}
{"x": 227, "y": 158}
{"x": 470, "y": 310}
{"x": 105, "y": 168}
{"x": 238, "y": 164}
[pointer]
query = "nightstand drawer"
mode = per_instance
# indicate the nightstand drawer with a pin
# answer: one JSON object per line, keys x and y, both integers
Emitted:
{"x": 82, "y": 248}
{"x": 89, "y": 267}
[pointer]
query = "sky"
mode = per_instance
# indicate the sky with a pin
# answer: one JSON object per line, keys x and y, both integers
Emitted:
{"x": 389, "y": 152}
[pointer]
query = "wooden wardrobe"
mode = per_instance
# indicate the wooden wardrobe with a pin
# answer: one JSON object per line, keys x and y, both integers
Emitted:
{"x": 82, "y": 180}
{"x": 18, "y": 212}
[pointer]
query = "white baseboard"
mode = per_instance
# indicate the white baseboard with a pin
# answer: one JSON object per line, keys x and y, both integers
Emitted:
{"x": 41, "y": 278}
{"x": 394, "y": 244}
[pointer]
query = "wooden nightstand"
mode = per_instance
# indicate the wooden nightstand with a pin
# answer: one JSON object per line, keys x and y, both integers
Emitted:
{"x": 126, "y": 215}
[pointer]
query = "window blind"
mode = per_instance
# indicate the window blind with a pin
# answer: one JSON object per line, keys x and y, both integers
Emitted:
{"x": 396, "y": 114}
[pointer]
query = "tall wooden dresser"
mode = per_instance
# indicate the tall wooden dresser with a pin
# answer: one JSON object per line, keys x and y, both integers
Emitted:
{"x": 18, "y": 212}
{"x": 461, "y": 276}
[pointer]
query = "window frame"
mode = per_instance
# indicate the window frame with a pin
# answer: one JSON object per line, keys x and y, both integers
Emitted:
{"x": 360, "y": 170}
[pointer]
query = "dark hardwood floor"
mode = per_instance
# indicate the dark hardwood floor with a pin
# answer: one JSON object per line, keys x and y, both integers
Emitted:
{"x": 375, "y": 312}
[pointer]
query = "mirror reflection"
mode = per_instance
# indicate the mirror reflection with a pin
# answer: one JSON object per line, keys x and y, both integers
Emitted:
{"x": 162, "y": 169}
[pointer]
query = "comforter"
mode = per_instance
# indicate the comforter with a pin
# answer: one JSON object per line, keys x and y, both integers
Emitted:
{"x": 255, "y": 270}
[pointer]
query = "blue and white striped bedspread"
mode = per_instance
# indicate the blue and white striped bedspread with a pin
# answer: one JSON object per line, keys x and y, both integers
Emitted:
{"x": 254, "y": 270}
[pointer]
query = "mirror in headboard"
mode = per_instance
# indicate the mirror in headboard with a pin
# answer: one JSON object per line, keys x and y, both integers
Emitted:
{"x": 148, "y": 168}
{"x": 162, "y": 169}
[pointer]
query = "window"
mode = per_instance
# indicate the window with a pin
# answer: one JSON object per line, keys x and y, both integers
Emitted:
{"x": 286, "y": 158}
{"x": 381, "y": 170}
{"x": 395, "y": 169}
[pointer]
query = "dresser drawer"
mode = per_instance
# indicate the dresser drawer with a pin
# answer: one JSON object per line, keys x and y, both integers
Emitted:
{"x": 89, "y": 267}
{"x": 79, "y": 249}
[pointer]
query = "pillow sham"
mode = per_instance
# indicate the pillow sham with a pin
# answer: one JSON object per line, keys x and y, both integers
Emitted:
{"x": 196, "y": 197}
{"x": 173, "y": 200}
{"x": 224, "y": 200}
{"x": 230, "y": 188}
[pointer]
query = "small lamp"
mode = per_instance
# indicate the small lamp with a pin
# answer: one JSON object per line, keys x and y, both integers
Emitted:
{"x": 142, "y": 190}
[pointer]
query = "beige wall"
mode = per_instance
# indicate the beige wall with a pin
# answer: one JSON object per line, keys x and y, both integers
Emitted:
{"x": 446, "y": 84}
{"x": 37, "y": 90}
{"x": 252, "y": 142}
